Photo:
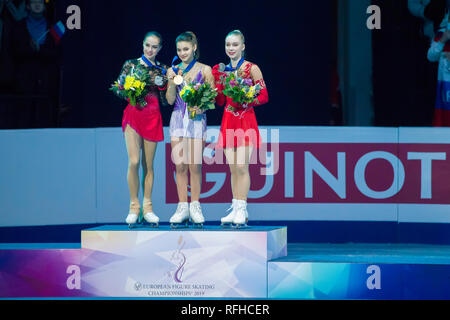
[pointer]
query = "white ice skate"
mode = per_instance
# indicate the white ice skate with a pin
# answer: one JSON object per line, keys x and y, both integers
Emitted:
{"x": 132, "y": 219}
{"x": 181, "y": 216}
{"x": 152, "y": 219}
{"x": 240, "y": 218}
{"x": 196, "y": 215}
{"x": 228, "y": 220}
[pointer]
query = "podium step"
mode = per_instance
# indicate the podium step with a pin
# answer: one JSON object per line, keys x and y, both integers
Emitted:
{"x": 215, "y": 263}
{"x": 40, "y": 270}
{"x": 361, "y": 271}
{"x": 187, "y": 263}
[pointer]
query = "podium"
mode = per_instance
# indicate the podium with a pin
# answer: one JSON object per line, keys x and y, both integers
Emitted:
{"x": 179, "y": 263}
{"x": 116, "y": 262}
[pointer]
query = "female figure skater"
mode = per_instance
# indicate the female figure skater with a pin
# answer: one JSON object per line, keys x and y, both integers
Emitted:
{"x": 187, "y": 135}
{"x": 239, "y": 134}
{"x": 143, "y": 128}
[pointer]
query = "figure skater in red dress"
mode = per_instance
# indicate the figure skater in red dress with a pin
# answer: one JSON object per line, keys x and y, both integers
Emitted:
{"x": 143, "y": 128}
{"x": 239, "y": 134}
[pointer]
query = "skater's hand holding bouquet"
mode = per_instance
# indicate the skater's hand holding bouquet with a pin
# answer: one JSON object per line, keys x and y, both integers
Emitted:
{"x": 199, "y": 96}
{"x": 133, "y": 86}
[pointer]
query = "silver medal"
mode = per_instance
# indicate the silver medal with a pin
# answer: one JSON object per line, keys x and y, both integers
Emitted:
{"x": 159, "y": 81}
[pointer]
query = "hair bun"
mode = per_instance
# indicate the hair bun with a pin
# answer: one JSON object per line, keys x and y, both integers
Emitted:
{"x": 192, "y": 34}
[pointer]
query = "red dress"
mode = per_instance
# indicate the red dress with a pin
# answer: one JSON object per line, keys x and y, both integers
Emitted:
{"x": 146, "y": 121}
{"x": 239, "y": 127}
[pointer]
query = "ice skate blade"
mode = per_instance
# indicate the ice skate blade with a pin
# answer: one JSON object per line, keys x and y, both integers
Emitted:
{"x": 152, "y": 225}
{"x": 239, "y": 226}
{"x": 183, "y": 225}
{"x": 197, "y": 225}
{"x": 226, "y": 225}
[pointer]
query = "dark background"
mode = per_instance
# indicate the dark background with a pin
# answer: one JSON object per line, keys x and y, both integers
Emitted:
{"x": 293, "y": 42}
{"x": 290, "y": 41}
{"x": 404, "y": 81}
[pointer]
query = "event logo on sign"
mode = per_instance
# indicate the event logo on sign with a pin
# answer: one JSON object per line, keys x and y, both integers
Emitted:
{"x": 178, "y": 258}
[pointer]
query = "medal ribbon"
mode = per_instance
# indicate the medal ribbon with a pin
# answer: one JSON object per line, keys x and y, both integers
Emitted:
{"x": 151, "y": 65}
{"x": 229, "y": 68}
{"x": 189, "y": 67}
{"x": 175, "y": 69}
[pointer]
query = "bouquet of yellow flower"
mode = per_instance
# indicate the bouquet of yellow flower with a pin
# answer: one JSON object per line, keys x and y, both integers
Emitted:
{"x": 133, "y": 86}
{"x": 198, "y": 95}
{"x": 241, "y": 91}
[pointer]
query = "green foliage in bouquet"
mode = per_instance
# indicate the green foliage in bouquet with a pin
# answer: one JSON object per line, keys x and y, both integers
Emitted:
{"x": 241, "y": 91}
{"x": 133, "y": 86}
{"x": 198, "y": 94}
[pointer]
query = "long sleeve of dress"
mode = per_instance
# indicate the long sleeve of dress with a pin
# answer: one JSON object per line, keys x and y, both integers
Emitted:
{"x": 220, "y": 99}
{"x": 257, "y": 78}
{"x": 163, "y": 88}
{"x": 263, "y": 96}
{"x": 162, "y": 95}
{"x": 121, "y": 78}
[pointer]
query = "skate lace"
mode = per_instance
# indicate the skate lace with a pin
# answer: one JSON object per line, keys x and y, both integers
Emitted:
{"x": 179, "y": 210}
{"x": 196, "y": 210}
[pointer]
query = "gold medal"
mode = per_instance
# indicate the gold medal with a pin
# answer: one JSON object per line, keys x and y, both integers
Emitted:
{"x": 178, "y": 80}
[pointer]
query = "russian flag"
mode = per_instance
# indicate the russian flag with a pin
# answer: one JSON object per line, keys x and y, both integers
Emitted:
{"x": 57, "y": 31}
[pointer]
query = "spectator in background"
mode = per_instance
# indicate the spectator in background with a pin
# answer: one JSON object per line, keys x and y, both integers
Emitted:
{"x": 2, "y": 4}
{"x": 17, "y": 13}
{"x": 440, "y": 52}
{"x": 10, "y": 13}
{"x": 435, "y": 11}
{"x": 17, "y": 9}
{"x": 3, "y": 62}
{"x": 36, "y": 76}
{"x": 417, "y": 9}
{"x": 430, "y": 14}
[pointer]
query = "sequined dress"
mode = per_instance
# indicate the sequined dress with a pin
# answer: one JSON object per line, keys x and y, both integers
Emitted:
{"x": 239, "y": 126}
{"x": 181, "y": 126}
